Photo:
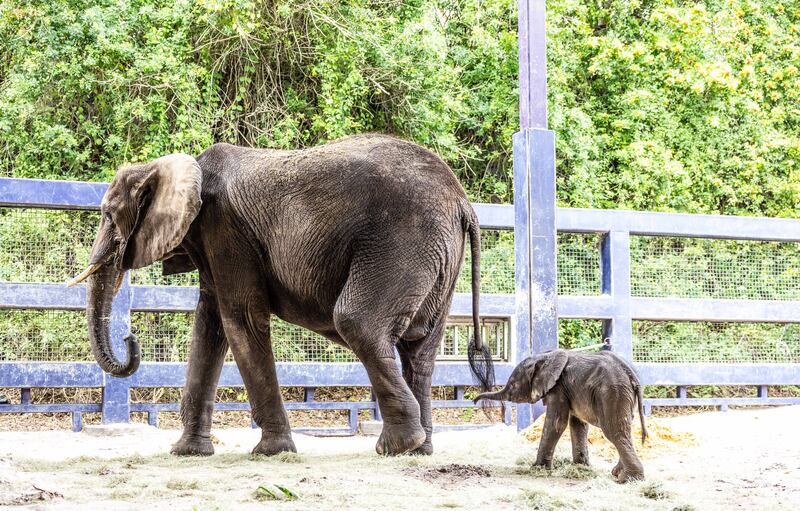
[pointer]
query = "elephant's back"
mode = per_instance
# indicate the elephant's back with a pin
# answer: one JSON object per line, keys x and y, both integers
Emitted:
{"x": 368, "y": 197}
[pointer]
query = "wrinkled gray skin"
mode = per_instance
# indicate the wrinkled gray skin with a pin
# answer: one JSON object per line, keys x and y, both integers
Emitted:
{"x": 600, "y": 389}
{"x": 360, "y": 240}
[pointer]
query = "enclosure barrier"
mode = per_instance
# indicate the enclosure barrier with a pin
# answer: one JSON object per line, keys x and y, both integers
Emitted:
{"x": 635, "y": 277}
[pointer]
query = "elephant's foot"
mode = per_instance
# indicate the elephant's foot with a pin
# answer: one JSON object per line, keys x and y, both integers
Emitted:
{"x": 426, "y": 449}
{"x": 191, "y": 445}
{"x": 548, "y": 464}
{"x": 274, "y": 444}
{"x": 634, "y": 475}
{"x": 581, "y": 459}
{"x": 399, "y": 438}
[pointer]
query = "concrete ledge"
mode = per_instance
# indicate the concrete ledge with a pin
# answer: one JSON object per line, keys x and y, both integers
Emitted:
{"x": 370, "y": 428}
{"x": 107, "y": 430}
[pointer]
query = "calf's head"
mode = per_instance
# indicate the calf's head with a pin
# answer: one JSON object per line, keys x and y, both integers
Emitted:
{"x": 531, "y": 379}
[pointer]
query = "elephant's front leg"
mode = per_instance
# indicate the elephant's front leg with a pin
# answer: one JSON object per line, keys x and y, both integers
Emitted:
{"x": 579, "y": 434}
{"x": 555, "y": 423}
{"x": 207, "y": 354}
{"x": 246, "y": 322}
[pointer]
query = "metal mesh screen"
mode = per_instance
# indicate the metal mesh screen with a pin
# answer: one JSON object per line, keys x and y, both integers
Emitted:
{"x": 497, "y": 264}
{"x": 151, "y": 275}
{"x": 165, "y": 337}
{"x": 43, "y": 335}
{"x": 459, "y": 332}
{"x": 578, "y": 264}
{"x": 687, "y": 342}
{"x": 577, "y": 333}
{"x": 701, "y": 268}
{"x": 38, "y": 245}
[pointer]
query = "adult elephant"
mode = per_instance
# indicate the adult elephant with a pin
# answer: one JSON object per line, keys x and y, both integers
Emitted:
{"x": 360, "y": 240}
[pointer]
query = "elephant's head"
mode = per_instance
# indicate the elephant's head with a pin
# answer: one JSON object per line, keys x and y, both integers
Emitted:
{"x": 531, "y": 379}
{"x": 146, "y": 213}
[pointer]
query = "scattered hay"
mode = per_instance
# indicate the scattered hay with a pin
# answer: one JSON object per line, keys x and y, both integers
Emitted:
{"x": 654, "y": 491}
{"x": 661, "y": 439}
{"x": 541, "y": 501}
{"x": 562, "y": 467}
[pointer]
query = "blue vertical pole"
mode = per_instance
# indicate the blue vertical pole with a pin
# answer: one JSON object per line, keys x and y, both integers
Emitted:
{"x": 615, "y": 264}
{"x": 116, "y": 391}
{"x": 534, "y": 200}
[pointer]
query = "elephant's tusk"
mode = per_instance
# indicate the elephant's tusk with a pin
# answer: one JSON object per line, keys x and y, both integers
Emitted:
{"x": 118, "y": 283}
{"x": 83, "y": 276}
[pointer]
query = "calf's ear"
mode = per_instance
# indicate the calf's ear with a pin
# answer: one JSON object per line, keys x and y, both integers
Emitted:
{"x": 545, "y": 373}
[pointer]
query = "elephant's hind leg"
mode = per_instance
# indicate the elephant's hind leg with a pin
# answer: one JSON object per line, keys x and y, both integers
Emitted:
{"x": 208, "y": 350}
{"x": 417, "y": 358}
{"x": 371, "y": 323}
{"x": 629, "y": 467}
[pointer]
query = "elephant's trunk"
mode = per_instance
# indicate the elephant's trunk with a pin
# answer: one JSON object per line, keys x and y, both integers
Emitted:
{"x": 500, "y": 395}
{"x": 101, "y": 287}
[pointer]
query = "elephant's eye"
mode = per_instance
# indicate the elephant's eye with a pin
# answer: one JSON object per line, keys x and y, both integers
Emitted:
{"x": 107, "y": 217}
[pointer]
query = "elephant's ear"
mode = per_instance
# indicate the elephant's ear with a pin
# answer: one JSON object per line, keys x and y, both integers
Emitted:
{"x": 546, "y": 373}
{"x": 168, "y": 200}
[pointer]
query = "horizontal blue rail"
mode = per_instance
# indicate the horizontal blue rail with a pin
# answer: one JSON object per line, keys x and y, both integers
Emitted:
{"x": 39, "y": 193}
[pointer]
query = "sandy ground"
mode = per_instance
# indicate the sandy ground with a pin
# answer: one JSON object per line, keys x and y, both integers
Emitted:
{"x": 744, "y": 459}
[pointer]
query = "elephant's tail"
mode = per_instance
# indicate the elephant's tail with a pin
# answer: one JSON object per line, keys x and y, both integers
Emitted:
{"x": 478, "y": 353}
{"x": 641, "y": 415}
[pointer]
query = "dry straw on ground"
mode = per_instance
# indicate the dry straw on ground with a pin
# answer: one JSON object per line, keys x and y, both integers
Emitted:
{"x": 661, "y": 438}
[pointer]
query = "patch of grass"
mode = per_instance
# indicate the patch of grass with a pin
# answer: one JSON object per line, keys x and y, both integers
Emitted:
{"x": 449, "y": 505}
{"x": 684, "y": 507}
{"x": 288, "y": 457}
{"x": 538, "y": 500}
{"x": 114, "y": 481}
{"x": 562, "y": 467}
{"x": 654, "y": 491}
{"x": 180, "y": 484}
{"x": 124, "y": 494}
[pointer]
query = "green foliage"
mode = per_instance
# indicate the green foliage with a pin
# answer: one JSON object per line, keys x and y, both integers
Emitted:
{"x": 670, "y": 105}
{"x": 675, "y": 105}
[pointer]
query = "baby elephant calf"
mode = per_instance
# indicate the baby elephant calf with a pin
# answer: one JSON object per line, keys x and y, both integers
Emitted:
{"x": 579, "y": 388}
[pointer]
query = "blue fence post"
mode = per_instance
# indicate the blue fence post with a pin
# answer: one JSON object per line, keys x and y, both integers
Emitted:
{"x": 615, "y": 263}
{"x": 116, "y": 391}
{"x": 534, "y": 199}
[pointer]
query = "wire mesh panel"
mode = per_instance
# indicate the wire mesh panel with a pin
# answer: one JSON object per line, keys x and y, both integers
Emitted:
{"x": 292, "y": 343}
{"x": 151, "y": 275}
{"x": 687, "y": 342}
{"x": 163, "y": 336}
{"x": 43, "y": 335}
{"x": 38, "y": 245}
{"x": 702, "y": 268}
{"x": 577, "y": 333}
{"x": 459, "y": 333}
{"x": 497, "y": 264}
{"x": 578, "y": 264}
{"x": 166, "y": 337}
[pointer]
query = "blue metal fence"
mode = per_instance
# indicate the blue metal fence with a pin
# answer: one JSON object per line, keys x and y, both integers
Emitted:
{"x": 533, "y": 310}
{"x": 614, "y": 305}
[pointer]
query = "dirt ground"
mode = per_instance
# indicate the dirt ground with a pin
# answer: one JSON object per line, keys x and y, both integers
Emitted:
{"x": 742, "y": 459}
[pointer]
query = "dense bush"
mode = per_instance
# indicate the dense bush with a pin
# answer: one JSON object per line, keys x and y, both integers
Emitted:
{"x": 658, "y": 104}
